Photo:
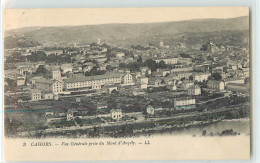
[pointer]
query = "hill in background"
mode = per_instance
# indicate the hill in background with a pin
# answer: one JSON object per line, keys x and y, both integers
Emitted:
{"x": 118, "y": 33}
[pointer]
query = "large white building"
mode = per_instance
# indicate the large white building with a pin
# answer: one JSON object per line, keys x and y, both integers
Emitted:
{"x": 168, "y": 60}
{"x": 201, "y": 76}
{"x": 217, "y": 85}
{"x": 194, "y": 90}
{"x": 78, "y": 82}
{"x": 184, "y": 103}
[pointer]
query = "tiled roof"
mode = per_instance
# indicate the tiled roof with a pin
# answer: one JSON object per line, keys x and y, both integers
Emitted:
{"x": 81, "y": 78}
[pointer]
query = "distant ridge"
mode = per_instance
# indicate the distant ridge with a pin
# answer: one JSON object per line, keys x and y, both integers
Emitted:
{"x": 117, "y": 32}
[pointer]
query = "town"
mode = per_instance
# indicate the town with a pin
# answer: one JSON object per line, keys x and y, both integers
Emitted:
{"x": 114, "y": 90}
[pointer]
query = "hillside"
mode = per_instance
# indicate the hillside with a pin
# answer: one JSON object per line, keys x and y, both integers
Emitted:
{"x": 119, "y": 33}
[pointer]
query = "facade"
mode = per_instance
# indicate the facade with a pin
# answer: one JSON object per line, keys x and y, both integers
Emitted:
{"x": 78, "y": 82}
{"x": 53, "y": 86}
{"x": 145, "y": 71}
{"x": 217, "y": 85}
{"x": 234, "y": 80}
{"x": 66, "y": 67}
{"x": 56, "y": 74}
{"x": 184, "y": 103}
{"x": 116, "y": 114}
{"x": 48, "y": 96}
{"x": 186, "y": 84}
{"x": 127, "y": 79}
{"x": 194, "y": 90}
{"x": 181, "y": 75}
{"x": 201, "y": 76}
{"x": 36, "y": 95}
{"x": 168, "y": 60}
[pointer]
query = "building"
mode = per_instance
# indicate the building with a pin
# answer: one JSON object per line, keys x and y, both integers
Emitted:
{"x": 127, "y": 78}
{"x": 56, "y": 74}
{"x": 201, "y": 76}
{"x": 20, "y": 80}
{"x": 145, "y": 71}
{"x": 182, "y": 75}
{"x": 161, "y": 72}
{"x": 116, "y": 114}
{"x": 236, "y": 87}
{"x": 161, "y": 44}
{"x": 194, "y": 90}
{"x": 79, "y": 82}
{"x": 70, "y": 114}
{"x": 53, "y": 86}
{"x": 185, "y": 61}
{"x": 234, "y": 80}
{"x": 187, "y": 84}
{"x": 36, "y": 95}
{"x": 47, "y": 95}
{"x": 150, "y": 110}
{"x": 217, "y": 85}
{"x": 120, "y": 55}
{"x": 184, "y": 103}
{"x": 168, "y": 60}
{"x": 66, "y": 67}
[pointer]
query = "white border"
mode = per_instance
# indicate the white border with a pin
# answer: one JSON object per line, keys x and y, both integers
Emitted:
{"x": 254, "y": 13}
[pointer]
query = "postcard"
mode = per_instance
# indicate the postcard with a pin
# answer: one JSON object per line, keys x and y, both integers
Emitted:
{"x": 169, "y": 83}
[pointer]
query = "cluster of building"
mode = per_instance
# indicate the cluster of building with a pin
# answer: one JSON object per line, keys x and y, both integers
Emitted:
{"x": 181, "y": 74}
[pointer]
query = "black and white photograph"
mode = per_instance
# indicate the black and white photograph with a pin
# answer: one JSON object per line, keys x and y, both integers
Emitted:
{"x": 127, "y": 73}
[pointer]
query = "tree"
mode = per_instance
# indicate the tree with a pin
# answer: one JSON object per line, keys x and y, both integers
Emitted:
{"x": 140, "y": 60}
{"x": 109, "y": 68}
{"x": 151, "y": 64}
{"x": 183, "y": 55}
{"x": 41, "y": 70}
{"x": 191, "y": 77}
{"x": 217, "y": 76}
{"x": 122, "y": 65}
{"x": 162, "y": 65}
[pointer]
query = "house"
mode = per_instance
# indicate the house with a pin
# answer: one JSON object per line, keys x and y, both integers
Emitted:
{"x": 184, "y": 103}
{"x": 186, "y": 84}
{"x": 66, "y": 67}
{"x": 145, "y": 71}
{"x": 47, "y": 95}
{"x": 150, "y": 110}
{"x": 116, "y": 114}
{"x": 234, "y": 80}
{"x": 194, "y": 90}
{"x": 237, "y": 87}
{"x": 120, "y": 55}
{"x": 182, "y": 75}
{"x": 161, "y": 72}
{"x": 127, "y": 78}
{"x": 201, "y": 76}
{"x": 185, "y": 61}
{"x": 53, "y": 86}
{"x": 155, "y": 81}
{"x": 142, "y": 80}
{"x": 56, "y": 74}
{"x": 217, "y": 85}
{"x": 36, "y": 95}
{"x": 20, "y": 80}
{"x": 168, "y": 60}
{"x": 70, "y": 114}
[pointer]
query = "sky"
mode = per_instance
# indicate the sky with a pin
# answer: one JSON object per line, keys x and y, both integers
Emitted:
{"x": 19, "y": 18}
